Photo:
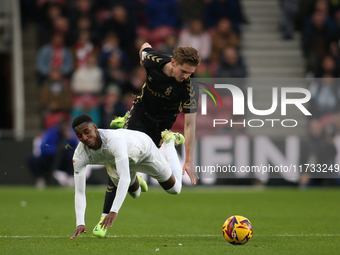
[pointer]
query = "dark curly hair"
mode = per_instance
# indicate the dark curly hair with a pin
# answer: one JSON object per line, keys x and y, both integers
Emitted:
{"x": 81, "y": 119}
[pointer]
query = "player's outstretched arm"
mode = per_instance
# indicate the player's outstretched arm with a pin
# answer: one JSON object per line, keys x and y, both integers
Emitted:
{"x": 189, "y": 134}
{"x": 123, "y": 170}
{"x": 145, "y": 45}
{"x": 79, "y": 229}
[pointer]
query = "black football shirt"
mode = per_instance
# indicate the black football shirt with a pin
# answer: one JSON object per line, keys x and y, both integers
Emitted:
{"x": 162, "y": 97}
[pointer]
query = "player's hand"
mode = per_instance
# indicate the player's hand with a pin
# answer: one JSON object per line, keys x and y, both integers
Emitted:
{"x": 80, "y": 229}
{"x": 109, "y": 219}
{"x": 188, "y": 167}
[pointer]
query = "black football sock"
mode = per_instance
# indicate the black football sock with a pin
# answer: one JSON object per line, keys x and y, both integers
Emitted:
{"x": 109, "y": 196}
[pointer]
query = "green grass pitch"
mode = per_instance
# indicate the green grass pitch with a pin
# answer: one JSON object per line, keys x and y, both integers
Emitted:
{"x": 285, "y": 221}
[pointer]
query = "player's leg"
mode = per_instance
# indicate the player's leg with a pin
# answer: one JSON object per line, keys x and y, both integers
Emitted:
{"x": 109, "y": 197}
{"x": 171, "y": 139}
{"x": 174, "y": 184}
{"x": 134, "y": 188}
{"x": 133, "y": 121}
{"x": 111, "y": 190}
{"x": 168, "y": 171}
{"x": 136, "y": 120}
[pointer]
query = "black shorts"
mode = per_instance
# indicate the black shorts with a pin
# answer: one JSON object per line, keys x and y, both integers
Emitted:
{"x": 139, "y": 120}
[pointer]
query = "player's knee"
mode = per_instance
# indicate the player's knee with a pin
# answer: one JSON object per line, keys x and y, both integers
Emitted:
{"x": 176, "y": 189}
{"x": 134, "y": 194}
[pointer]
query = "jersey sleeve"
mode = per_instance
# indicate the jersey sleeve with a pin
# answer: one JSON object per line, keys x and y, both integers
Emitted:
{"x": 123, "y": 171}
{"x": 79, "y": 166}
{"x": 118, "y": 149}
{"x": 152, "y": 58}
{"x": 190, "y": 103}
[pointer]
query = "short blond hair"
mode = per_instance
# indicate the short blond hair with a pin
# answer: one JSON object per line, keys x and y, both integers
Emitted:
{"x": 187, "y": 55}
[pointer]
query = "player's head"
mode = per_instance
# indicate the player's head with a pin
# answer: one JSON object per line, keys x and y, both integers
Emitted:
{"x": 87, "y": 131}
{"x": 184, "y": 62}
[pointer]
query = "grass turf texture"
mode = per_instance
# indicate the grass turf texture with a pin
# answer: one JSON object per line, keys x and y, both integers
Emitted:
{"x": 285, "y": 221}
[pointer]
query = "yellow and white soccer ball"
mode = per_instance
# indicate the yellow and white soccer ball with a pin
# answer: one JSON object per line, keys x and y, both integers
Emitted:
{"x": 237, "y": 230}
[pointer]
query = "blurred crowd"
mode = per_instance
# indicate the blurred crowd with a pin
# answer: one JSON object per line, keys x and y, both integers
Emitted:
{"x": 88, "y": 61}
{"x": 318, "y": 22}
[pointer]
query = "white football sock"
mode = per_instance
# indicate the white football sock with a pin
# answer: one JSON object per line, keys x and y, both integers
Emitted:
{"x": 175, "y": 166}
{"x": 136, "y": 193}
{"x": 176, "y": 189}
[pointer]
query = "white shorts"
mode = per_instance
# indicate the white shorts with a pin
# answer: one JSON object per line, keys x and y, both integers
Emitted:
{"x": 154, "y": 165}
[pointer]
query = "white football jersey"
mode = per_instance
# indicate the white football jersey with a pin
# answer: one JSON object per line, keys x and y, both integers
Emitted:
{"x": 117, "y": 145}
{"x": 124, "y": 152}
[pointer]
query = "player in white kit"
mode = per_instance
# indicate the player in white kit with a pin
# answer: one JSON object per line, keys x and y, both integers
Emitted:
{"x": 123, "y": 152}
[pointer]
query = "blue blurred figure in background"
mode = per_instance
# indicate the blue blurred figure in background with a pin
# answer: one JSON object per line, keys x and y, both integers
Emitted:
{"x": 53, "y": 150}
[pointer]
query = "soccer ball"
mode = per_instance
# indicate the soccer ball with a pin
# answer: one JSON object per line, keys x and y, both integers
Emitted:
{"x": 237, "y": 230}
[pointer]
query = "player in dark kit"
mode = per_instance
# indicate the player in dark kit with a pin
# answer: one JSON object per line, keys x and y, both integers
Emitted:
{"x": 166, "y": 92}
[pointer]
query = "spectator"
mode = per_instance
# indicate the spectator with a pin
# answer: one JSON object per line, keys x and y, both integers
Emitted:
{"x": 110, "y": 45}
{"x": 135, "y": 9}
{"x": 162, "y": 13}
{"x": 89, "y": 78}
{"x": 133, "y": 86}
{"x": 56, "y": 99}
{"x": 46, "y": 25}
{"x": 114, "y": 70}
{"x": 87, "y": 104}
{"x": 203, "y": 70}
{"x": 319, "y": 149}
{"x": 328, "y": 65}
{"x": 81, "y": 24}
{"x": 308, "y": 7}
{"x": 82, "y": 49}
{"x": 43, "y": 9}
{"x": 120, "y": 24}
{"x": 289, "y": 9}
{"x": 231, "y": 65}
{"x": 169, "y": 44}
{"x": 83, "y": 8}
{"x": 134, "y": 58}
{"x": 136, "y": 81}
{"x": 54, "y": 55}
{"x": 316, "y": 40}
{"x": 305, "y": 10}
{"x": 159, "y": 35}
{"x": 62, "y": 27}
{"x": 53, "y": 150}
{"x": 325, "y": 96}
{"x": 229, "y": 9}
{"x": 194, "y": 36}
{"x": 222, "y": 37}
{"x": 188, "y": 13}
{"x": 111, "y": 106}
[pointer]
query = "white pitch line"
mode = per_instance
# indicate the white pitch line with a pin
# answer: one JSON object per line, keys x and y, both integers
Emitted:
{"x": 141, "y": 236}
